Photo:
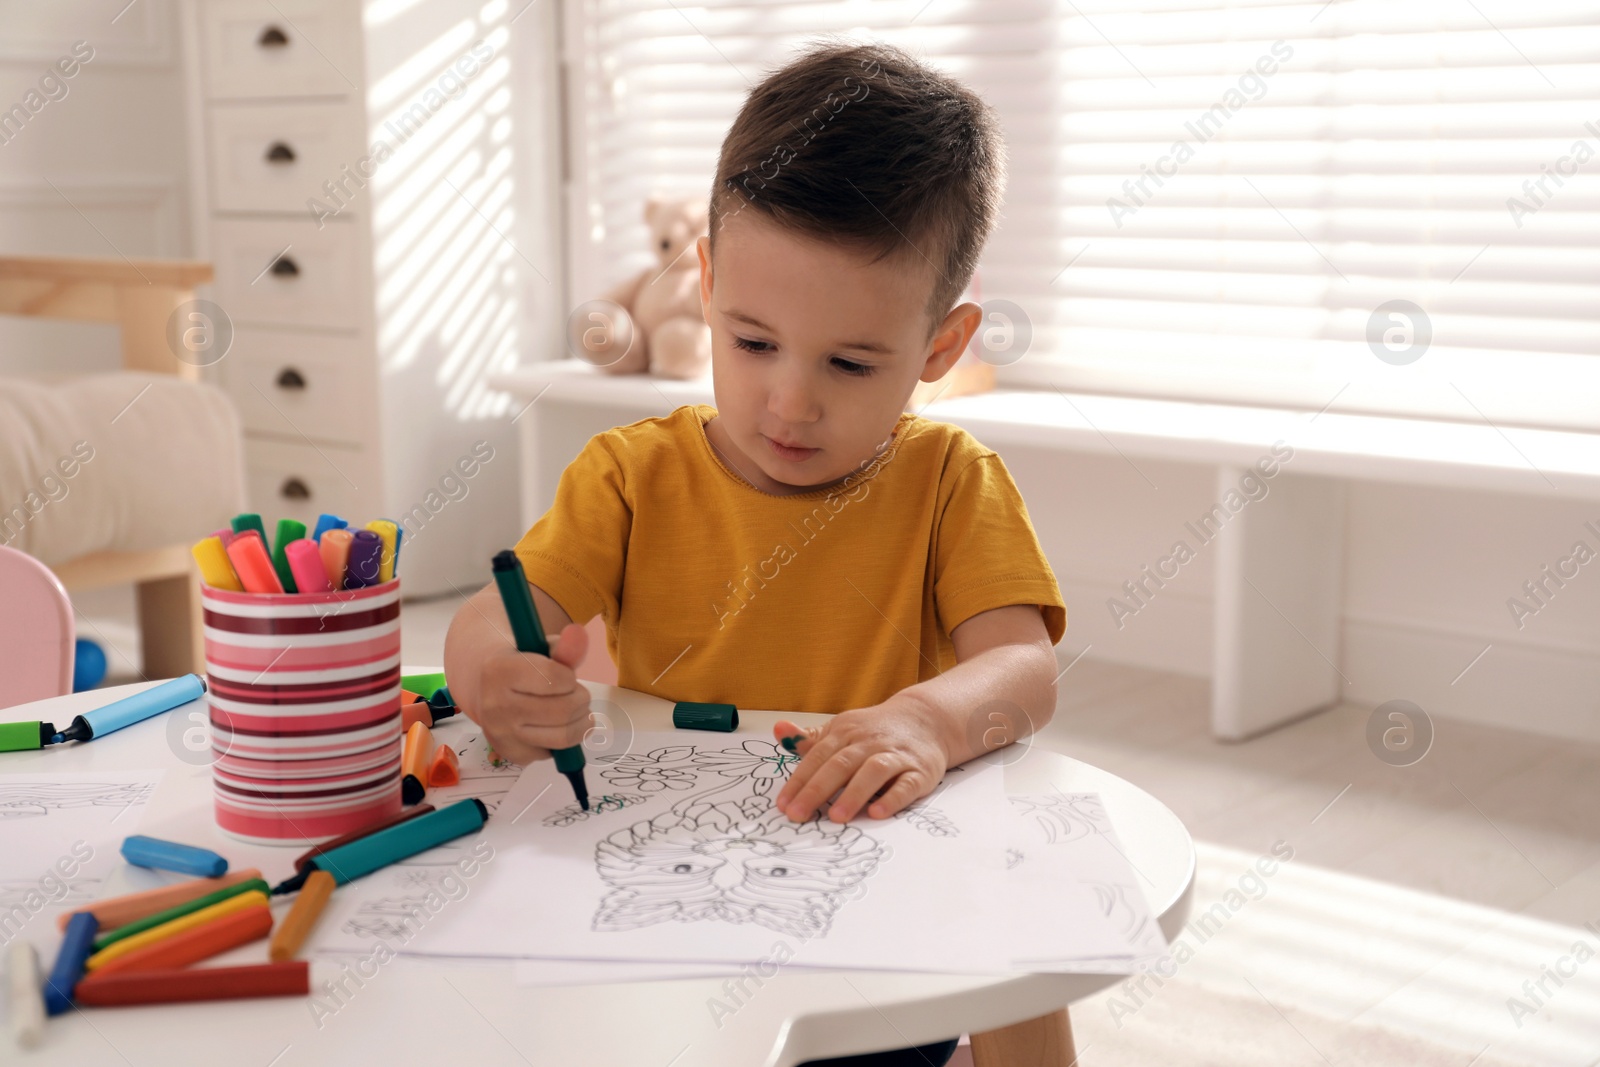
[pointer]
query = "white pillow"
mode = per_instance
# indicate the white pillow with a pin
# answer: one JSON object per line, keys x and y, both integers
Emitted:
{"x": 122, "y": 462}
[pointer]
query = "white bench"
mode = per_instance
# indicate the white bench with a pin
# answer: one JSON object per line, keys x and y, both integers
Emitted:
{"x": 1279, "y": 561}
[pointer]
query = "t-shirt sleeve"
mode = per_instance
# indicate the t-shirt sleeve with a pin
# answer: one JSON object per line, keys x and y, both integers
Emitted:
{"x": 987, "y": 555}
{"x": 577, "y": 549}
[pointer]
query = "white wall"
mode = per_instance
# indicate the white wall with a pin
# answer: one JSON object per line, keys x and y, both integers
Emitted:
{"x": 113, "y": 146}
{"x": 1427, "y": 576}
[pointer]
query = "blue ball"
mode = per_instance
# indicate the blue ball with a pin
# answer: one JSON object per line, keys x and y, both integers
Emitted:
{"x": 88, "y": 665}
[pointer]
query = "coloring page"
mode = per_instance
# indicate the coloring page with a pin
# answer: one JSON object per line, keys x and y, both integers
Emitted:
{"x": 60, "y": 835}
{"x": 683, "y": 857}
{"x": 393, "y": 904}
{"x": 1076, "y": 895}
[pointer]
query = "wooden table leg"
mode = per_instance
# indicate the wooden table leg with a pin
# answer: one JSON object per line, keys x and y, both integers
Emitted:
{"x": 170, "y": 626}
{"x": 1042, "y": 1042}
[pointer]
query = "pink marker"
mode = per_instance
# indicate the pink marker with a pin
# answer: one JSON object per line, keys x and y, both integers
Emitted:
{"x": 224, "y": 535}
{"x": 305, "y": 562}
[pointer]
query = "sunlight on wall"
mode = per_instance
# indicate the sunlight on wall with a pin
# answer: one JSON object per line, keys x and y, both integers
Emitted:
{"x": 443, "y": 210}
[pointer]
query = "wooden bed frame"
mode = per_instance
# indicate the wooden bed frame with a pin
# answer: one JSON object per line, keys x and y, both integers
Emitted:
{"x": 138, "y": 296}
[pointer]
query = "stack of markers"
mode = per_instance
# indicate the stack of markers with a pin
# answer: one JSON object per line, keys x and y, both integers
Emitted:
{"x": 333, "y": 558}
{"x": 140, "y": 948}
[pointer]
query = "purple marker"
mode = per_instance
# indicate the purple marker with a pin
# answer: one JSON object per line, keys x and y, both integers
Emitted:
{"x": 366, "y": 554}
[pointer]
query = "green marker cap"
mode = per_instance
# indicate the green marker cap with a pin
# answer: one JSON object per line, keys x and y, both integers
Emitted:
{"x": 20, "y": 736}
{"x": 689, "y": 715}
{"x": 424, "y": 685}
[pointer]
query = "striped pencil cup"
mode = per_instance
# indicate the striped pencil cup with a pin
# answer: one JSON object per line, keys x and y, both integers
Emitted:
{"x": 304, "y": 691}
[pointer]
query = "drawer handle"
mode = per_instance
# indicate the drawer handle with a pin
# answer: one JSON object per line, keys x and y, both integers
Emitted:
{"x": 284, "y": 267}
{"x": 294, "y": 489}
{"x": 289, "y": 378}
{"x": 280, "y": 153}
{"x": 272, "y": 37}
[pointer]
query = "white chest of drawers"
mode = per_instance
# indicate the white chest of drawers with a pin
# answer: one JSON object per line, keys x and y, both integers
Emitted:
{"x": 352, "y": 168}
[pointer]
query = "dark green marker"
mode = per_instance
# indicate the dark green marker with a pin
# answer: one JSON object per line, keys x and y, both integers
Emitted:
{"x": 529, "y": 635}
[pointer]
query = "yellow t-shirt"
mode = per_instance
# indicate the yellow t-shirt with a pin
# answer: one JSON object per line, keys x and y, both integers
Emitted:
{"x": 824, "y": 601}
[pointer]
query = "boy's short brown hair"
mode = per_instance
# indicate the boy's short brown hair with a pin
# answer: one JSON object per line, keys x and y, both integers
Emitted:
{"x": 863, "y": 145}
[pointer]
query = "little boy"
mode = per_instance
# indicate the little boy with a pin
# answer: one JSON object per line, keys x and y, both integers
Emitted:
{"x": 806, "y": 544}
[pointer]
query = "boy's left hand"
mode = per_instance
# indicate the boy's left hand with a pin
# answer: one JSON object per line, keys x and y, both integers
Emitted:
{"x": 863, "y": 751}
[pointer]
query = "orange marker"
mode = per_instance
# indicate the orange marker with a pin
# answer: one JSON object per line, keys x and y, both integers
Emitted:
{"x": 408, "y": 697}
{"x": 120, "y": 911}
{"x": 253, "y": 566}
{"x": 335, "y": 545}
{"x": 414, "y": 763}
{"x": 197, "y": 943}
{"x": 303, "y": 916}
{"x": 444, "y": 768}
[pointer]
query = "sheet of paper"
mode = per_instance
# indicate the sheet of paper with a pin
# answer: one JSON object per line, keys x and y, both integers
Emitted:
{"x": 393, "y": 904}
{"x": 62, "y": 834}
{"x": 1076, "y": 901}
{"x": 683, "y": 858}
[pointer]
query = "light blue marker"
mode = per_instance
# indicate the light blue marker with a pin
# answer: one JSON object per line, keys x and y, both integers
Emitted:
{"x": 129, "y": 710}
{"x": 142, "y": 851}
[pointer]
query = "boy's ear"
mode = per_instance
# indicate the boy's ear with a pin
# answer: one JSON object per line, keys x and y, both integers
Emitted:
{"x": 950, "y": 340}
{"x": 703, "y": 247}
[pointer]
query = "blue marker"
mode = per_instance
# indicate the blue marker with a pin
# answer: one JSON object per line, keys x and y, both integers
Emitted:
{"x": 142, "y": 851}
{"x": 326, "y": 522}
{"x": 129, "y": 710}
{"x": 75, "y": 948}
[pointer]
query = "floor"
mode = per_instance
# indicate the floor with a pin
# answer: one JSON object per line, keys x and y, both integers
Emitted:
{"x": 1442, "y": 913}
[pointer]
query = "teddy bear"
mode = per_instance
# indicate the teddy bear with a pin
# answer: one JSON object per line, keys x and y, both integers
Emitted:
{"x": 653, "y": 321}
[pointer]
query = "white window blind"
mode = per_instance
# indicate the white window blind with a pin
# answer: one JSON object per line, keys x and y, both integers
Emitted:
{"x": 1206, "y": 200}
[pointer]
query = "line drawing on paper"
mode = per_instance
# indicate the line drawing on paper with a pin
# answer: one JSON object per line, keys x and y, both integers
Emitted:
{"x": 1064, "y": 817}
{"x": 22, "y": 800}
{"x": 737, "y": 859}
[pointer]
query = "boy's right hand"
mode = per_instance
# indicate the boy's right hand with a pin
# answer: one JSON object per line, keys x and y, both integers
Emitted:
{"x": 530, "y": 704}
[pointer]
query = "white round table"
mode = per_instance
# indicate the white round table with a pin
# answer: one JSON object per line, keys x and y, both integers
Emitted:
{"x": 434, "y": 1011}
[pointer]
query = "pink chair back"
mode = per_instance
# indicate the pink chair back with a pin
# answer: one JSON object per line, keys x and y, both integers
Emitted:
{"x": 37, "y": 636}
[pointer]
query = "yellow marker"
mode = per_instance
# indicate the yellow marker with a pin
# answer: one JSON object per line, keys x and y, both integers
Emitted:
{"x": 386, "y": 533}
{"x": 308, "y": 905}
{"x": 253, "y": 899}
{"x": 214, "y": 565}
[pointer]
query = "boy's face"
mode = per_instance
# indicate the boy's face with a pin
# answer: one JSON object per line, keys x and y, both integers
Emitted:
{"x": 815, "y": 348}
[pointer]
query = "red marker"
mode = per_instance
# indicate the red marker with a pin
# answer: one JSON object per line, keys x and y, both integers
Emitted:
{"x": 253, "y": 566}
{"x": 287, "y": 979}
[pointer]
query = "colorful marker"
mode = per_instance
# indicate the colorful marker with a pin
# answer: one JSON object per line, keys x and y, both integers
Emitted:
{"x": 306, "y": 857}
{"x": 445, "y": 768}
{"x": 326, "y": 522}
{"x": 178, "y": 911}
{"x": 27, "y": 993}
{"x": 211, "y": 554}
{"x": 249, "y": 520}
{"x": 225, "y": 535}
{"x": 308, "y": 905}
{"x": 366, "y": 560}
{"x": 201, "y": 942}
{"x": 288, "y": 530}
{"x": 305, "y": 560}
{"x": 335, "y": 546}
{"x": 254, "y": 898}
{"x": 153, "y": 852}
{"x": 414, "y": 763}
{"x": 287, "y": 979}
{"x": 253, "y": 566}
{"x": 388, "y": 532}
{"x": 518, "y": 600}
{"x": 432, "y": 711}
{"x": 21, "y": 736}
{"x": 129, "y": 710}
{"x": 116, "y": 912}
{"x": 68, "y": 969}
{"x": 371, "y": 853}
